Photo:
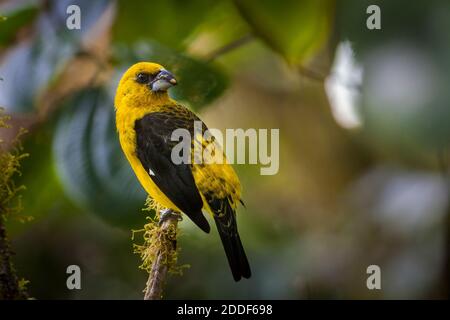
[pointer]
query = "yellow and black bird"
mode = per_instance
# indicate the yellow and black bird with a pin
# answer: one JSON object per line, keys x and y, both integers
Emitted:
{"x": 146, "y": 118}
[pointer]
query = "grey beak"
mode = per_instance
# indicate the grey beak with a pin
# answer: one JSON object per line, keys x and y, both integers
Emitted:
{"x": 163, "y": 81}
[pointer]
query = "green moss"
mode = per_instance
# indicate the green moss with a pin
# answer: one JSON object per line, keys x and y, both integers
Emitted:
{"x": 10, "y": 205}
{"x": 10, "y": 199}
{"x": 158, "y": 241}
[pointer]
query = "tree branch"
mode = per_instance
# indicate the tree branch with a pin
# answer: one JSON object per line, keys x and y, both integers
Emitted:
{"x": 9, "y": 283}
{"x": 235, "y": 44}
{"x": 164, "y": 245}
{"x": 311, "y": 74}
{"x": 229, "y": 47}
{"x": 444, "y": 166}
{"x": 10, "y": 286}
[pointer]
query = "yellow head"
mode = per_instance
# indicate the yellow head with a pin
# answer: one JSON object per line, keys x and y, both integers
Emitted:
{"x": 144, "y": 82}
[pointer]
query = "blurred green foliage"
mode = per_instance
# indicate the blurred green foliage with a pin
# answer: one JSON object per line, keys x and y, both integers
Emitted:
{"x": 296, "y": 29}
{"x": 34, "y": 65}
{"x": 12, "y": 23}
{"x": 407, "y": 57}
{"x": 169, "y": 22}
{"x": 89, "y": 161}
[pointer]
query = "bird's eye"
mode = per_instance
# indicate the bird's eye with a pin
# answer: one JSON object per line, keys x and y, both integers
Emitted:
{"x": 142, "y": 77}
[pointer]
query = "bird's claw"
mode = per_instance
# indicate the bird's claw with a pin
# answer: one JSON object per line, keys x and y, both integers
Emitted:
{"x": 166, "y": 214}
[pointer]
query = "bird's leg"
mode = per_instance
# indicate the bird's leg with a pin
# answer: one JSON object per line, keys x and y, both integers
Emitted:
{"x": 168, "y": 214}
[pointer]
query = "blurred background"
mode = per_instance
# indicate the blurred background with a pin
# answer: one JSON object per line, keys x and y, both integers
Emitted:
{"x": 364, "y": 119}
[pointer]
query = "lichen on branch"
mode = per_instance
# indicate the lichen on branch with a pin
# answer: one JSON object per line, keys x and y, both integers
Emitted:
{"x": 159, "y": 250}
{"x": 11, "y": 287}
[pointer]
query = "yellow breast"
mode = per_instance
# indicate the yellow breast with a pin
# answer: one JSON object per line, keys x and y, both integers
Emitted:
{"x": 127, "y": 136}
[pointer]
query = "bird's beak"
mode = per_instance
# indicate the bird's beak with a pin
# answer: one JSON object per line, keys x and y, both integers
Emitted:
{"x": 163, "y": 81}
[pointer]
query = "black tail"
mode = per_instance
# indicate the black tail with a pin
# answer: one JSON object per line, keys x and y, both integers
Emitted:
{"x": 226, "y": 225}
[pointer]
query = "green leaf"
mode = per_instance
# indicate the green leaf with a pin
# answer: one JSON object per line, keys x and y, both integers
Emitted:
{"x": 221, "y": 26}
{"x": 12, "y": 22}
{"x": 28, "y": 68}
{"x": 90, "y": 163}
{"x": 296, "y": 28}
{"x": 199, "y": 83}
{"x": 169, "y": 22}
{"x": 25, "y": 71}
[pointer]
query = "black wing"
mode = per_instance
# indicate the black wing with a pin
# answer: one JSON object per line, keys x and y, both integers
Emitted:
{"x": 154, "y": 148}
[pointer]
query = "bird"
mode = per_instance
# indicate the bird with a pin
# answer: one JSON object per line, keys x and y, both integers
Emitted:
{"x": 146, "y": 117}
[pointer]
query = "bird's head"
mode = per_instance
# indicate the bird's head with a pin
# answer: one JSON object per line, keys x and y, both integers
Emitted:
{"x": 145, "y": 80}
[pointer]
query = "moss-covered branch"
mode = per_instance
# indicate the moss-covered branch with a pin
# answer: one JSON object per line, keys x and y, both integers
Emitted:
{"x": 159, "y": 252}
{"x": 11, "y": 288}
{"x": 165, "y": 242}
{"x": 10, "y": 285}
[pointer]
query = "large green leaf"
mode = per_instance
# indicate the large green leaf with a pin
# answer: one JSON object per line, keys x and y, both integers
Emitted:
{"x": 29, "y": 68}
{"x": 295, "y": 28}
{"x": 92, "y": 168}
{"x": 199, "y": 83}
{"x": 169, "y": 21}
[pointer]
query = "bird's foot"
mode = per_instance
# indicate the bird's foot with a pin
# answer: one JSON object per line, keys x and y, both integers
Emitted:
{"x": 167, "y": 214}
